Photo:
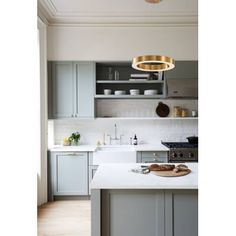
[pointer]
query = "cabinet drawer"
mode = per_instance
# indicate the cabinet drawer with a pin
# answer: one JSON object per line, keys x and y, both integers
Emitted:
{"x": 150, "y": 157}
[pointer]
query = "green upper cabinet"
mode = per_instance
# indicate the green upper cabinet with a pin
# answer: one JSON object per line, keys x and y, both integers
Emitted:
{"x": 85, "y": 88}
{"x": 183, "y": 70}
{"x": 71, "y": 89}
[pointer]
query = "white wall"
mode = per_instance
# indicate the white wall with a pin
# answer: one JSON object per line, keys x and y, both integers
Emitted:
{"x": 139, "y": 107}
{"x": 121, "y": 43}
{"x": 148, "y": 131}
{"x": 42, "y": 172}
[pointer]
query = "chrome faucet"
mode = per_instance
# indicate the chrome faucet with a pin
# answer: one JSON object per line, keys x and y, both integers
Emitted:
{"x": 115, "y": 138}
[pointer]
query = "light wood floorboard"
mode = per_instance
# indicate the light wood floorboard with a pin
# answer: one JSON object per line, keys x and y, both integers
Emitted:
{"x": 65, "y": 218}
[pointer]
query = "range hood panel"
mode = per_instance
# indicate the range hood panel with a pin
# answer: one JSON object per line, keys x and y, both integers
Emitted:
{"x": 182, "y": 88}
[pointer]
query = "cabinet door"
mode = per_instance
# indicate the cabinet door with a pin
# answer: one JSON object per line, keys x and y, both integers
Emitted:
{"x": 63, "y": 89}
{"x": 181, "y": 212}
{"x": 71, "y": 174}
{"x": 154, "y": 157}
{"x": 85, "y": 85}
{"x": 132, "y": 212}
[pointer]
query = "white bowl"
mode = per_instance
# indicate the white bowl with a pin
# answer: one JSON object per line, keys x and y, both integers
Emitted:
{"x": 120, "y": 92}
{"x": 107, "y": 91}
{"x": 134, "y": 92}
{"x": 150, "y": 92}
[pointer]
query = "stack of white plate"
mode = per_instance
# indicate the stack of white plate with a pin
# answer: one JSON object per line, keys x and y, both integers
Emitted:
{"x": 150, "y": 92}
{"x": 120, "y": 92}
{"x": 134, "y": 92}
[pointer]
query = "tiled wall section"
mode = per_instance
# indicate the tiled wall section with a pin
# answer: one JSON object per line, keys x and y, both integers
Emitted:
{"x": 139, "y": 107}
{"x": 148, "y": 131}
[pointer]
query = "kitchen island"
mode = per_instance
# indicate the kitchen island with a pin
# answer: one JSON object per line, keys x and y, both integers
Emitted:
{"x": 126, "y": 203}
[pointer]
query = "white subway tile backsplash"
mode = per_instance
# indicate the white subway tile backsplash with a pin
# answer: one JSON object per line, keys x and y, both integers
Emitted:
{"x": 147, "y": 131}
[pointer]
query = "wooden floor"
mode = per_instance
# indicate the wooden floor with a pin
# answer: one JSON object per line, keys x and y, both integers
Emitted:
{"x": 65, "y": 218}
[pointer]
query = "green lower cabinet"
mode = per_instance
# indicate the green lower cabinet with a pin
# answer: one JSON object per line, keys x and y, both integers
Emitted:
{"x": 69, "y": 174}
{"x": 152, "y": 157}
{"x": 181, "y": 212}
{"x": 139, "y": 212}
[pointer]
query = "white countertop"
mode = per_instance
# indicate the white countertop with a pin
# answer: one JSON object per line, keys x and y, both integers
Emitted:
{"x": 80, "y": 148}
{"x": 119, "y": 176}
{"x": 92, "y": 148}
{"x": 151, "y": 147}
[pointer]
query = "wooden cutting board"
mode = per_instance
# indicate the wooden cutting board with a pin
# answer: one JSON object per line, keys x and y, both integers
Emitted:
{"x": 171, "y": 173}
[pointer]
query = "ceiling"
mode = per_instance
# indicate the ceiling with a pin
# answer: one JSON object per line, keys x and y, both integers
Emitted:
{"x": 119, "y": 12}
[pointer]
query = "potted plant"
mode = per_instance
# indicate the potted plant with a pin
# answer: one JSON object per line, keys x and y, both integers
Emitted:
{"x": 75, "y": 137}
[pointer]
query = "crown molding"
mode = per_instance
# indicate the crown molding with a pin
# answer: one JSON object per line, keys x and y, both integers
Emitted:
{"x": 139, "y": 19}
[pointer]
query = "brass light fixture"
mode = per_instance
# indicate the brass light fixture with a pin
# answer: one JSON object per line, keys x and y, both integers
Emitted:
{"x": 153, "y": 1}
{"x": 153, "y": 63}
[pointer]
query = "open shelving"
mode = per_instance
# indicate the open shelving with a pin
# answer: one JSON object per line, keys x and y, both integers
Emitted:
{"x": 125, "y": 70}
{"x": 129, "y": 82}
{"x": 147, "y": 118}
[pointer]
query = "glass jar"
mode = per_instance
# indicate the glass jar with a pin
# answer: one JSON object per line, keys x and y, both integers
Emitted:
{"x": 117, "y": 75}
{"x": 177, "y": 111}
{"x": 75, "y": 142}
{"x": 110, "y": 75}
{"x": 184, "y": 112}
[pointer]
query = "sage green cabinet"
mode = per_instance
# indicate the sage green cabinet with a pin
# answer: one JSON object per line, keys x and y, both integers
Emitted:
{"x": 152, "y": 157}
{"x": 181, "y": 212}
{"x": 152, "y": 212}
{"x": 61, "y": 90}
{"x": 85, "y": 88}
{"x": 71, "y": 88}
{"x": 68, "y": 174}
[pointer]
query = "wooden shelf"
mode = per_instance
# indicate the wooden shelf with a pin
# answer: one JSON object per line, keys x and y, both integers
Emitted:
{"x": 129, "y": 82}
{"x": 129, "y": 96}
{"x": 147, "y": 118}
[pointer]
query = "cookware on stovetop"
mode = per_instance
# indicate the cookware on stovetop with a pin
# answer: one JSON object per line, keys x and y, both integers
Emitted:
{"x": 192, "y": 139}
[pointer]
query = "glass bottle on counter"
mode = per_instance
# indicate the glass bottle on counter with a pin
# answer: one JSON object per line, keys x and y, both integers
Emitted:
{"x": 135, "y": 140}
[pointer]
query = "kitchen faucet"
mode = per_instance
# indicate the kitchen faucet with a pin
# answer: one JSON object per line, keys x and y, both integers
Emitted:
{"x": 115, "y": 138}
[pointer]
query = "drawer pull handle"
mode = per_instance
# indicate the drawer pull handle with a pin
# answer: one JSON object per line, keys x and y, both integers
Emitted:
{"x": 75, "y": 154}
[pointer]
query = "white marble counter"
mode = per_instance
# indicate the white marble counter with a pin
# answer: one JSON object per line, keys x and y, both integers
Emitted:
{"x": 149, "y": 147}
{"x": 80, "y": 148}
{"x": 119, "y": 176}
{"x": 92, "y": 148}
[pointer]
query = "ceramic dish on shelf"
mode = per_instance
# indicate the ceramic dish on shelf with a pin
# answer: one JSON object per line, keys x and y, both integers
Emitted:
{"x": 107, "y": 91}
{"x": 134, "y": 91}
{"x": 120, "y": 92}
{"x": 150, "y": 92}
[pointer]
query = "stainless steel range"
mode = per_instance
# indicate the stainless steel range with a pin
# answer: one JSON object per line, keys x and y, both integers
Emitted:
{"x": 182, "y": 152}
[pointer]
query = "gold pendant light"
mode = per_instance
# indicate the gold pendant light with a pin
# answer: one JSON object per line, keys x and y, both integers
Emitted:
{"x": 153, "y": 1}
{"x": 153, "y": 63}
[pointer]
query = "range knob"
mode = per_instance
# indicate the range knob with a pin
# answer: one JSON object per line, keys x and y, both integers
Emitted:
{"x": 180, "y": 154}
{"x": 190, "y": 155}
{"x": 174, "y": 154}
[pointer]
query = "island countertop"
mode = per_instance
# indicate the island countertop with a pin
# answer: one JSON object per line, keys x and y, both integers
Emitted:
{"x": 120, "y": 176}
